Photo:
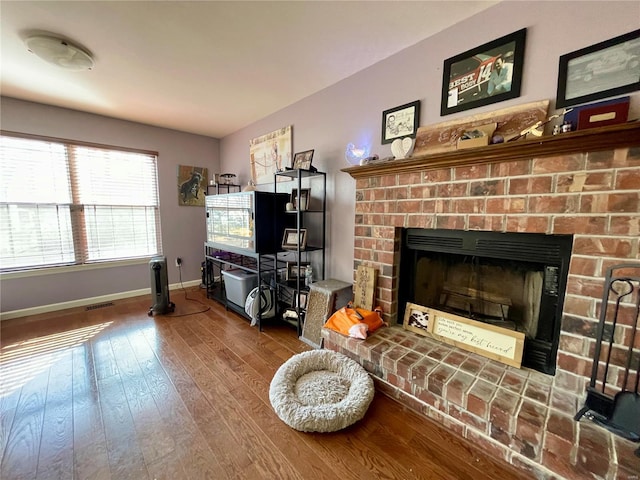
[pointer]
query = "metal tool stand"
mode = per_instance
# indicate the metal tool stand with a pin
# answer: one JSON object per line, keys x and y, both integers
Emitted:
{"x": 617, "y": 407}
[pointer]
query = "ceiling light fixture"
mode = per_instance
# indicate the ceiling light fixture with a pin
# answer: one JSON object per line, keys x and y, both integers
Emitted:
{"x": 60, "y": 52}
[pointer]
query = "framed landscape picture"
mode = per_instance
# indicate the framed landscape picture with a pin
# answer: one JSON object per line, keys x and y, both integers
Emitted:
{"x": 605, "y": 69}
{"x": 484, "y": 75}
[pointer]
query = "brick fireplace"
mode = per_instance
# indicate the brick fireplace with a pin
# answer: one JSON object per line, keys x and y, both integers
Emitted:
{"x": 585, "y": 184}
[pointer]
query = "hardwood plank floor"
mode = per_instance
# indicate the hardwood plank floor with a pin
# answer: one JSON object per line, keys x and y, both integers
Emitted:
{"x": 111, "y": 393}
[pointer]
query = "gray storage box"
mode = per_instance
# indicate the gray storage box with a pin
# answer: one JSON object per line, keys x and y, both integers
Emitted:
{"x": 238, "y": 284}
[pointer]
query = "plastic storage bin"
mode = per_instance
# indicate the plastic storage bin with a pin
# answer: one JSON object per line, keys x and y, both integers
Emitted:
{"x": 238, "y": 284}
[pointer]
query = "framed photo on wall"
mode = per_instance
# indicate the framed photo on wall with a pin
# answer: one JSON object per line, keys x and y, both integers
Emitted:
{"x": 402, "y": 121}
{"x": 605, "y": 69}
{"x": 192, "y": 185}
{"x": 484, "y": 75}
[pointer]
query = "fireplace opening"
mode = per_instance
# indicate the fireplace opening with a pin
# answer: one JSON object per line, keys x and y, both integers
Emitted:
{"x": 512, "y": 280}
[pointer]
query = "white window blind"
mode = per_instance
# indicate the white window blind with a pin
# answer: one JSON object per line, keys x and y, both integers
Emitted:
{"x": 64, "y": 204}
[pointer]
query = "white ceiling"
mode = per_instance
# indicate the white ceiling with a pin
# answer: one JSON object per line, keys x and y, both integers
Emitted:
{"x": 208, "y": 67}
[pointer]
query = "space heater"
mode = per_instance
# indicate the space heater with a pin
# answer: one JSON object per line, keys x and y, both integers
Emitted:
{"x": 160, "y": 287}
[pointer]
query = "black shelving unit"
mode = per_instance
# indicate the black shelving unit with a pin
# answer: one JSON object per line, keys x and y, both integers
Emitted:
{"x": 241, "y": 234}
{"x": 313, "y": 219}
{"x": 217, "y": 260}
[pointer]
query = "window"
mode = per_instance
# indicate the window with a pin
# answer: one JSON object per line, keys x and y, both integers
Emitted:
{"x": 65, "y": 204}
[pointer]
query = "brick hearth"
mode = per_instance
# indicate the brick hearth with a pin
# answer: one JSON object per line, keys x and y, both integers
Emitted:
{"x": 520, "y": 415}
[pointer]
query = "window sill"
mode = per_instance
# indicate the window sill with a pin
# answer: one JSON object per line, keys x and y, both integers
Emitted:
{"x": 72, "y": 268}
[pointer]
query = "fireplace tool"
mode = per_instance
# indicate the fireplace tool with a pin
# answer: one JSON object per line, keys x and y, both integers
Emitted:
{"x": 617, "y": 410}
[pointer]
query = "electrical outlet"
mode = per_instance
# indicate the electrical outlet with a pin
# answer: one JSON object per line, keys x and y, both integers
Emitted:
{"x": 178, "y": 261}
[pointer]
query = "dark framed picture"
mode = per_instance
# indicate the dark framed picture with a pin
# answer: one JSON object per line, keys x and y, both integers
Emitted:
{"x": 402, "y": 121}
{"x": 294, "y": 271}
{"x": 603, "y": 70}
{"x": 487, "y": 74}
{"x": 302, "y": 160}
{"x": 305, "y": 194}
{"x": 292, "y": 240}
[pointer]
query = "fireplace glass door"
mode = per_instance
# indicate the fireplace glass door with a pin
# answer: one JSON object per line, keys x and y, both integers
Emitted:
{"x": 514, "y": 281}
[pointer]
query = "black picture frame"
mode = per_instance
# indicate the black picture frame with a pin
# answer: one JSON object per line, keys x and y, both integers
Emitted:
{"x": 602, "y": 70}
{"x": 302, "y": 160}
{"x": 467, "y": 79}
{"x": 400, "y": 122}
{"x": 305, "y": 195}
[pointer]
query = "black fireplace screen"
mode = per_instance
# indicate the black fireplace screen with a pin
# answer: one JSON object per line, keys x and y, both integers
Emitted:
{"x": 512, "y": 280}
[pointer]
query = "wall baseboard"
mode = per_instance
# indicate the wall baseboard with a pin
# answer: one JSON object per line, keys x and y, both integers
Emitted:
{"x": 25, "y": 312}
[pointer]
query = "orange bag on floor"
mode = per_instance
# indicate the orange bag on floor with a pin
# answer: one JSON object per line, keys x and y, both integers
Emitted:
{"x": 349, "y": 321}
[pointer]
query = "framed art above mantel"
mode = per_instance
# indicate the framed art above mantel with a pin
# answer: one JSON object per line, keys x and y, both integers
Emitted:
{"x": 484, "y": 75}
{"x": 602, "y": 70}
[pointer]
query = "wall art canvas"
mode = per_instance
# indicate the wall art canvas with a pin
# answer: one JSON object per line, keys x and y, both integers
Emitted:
{"x": 192, "y": 184}
{"x": 270, "y": 153}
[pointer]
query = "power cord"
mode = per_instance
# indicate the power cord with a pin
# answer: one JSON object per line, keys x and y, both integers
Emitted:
{"x": 187, "y": 298}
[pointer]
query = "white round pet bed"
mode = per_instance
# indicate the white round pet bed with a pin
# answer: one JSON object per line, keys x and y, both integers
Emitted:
{"x": 320, "y": 391}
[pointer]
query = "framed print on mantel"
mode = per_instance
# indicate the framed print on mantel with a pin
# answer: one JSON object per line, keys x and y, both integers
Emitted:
{"x": 484, "y": 75}
{"x": 602, "y": 70}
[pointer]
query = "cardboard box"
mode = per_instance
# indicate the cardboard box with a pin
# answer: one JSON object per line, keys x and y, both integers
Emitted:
{"x": 238, "y": 284}
{"x": 487, "y": 131}
{"x": 472, "y": 142}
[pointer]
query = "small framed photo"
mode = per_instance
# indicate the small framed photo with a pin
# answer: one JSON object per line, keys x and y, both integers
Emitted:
{"x": 605, "y": 69}
{"x": 416, "y": 319}
{"x": 301, "y": 300}
{"x": 302, "y": 160}
{"x": 295, "y": 271}
{"x": 294, "y": 241}
{"x": 305, "y": 194}
{"x": 486, "y": 74}
{"x": 402, "y": 121}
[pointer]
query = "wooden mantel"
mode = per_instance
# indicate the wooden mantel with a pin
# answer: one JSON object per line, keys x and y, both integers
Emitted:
{"x": 604, "y": 138}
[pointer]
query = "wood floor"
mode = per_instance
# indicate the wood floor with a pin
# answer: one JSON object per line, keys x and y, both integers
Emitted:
{"x": 111, "y": 393}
